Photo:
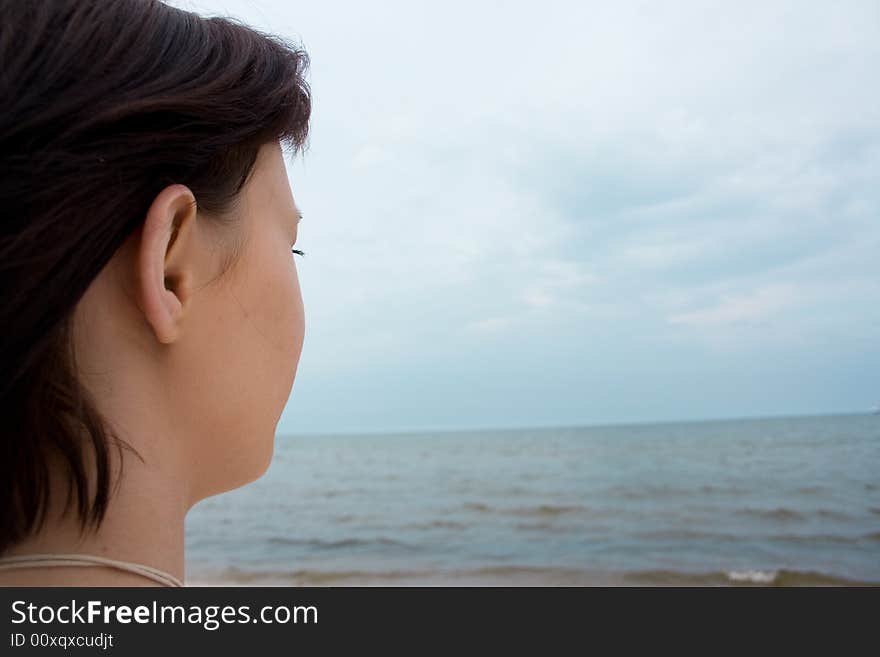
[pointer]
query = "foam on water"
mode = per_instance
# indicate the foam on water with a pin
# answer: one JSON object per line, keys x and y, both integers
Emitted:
{"x": 756, "y": 576}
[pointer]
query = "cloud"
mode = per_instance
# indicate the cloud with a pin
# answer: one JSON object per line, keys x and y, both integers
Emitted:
{"x": 555, "y": 281}
{"x": 743, "y": 309}
{"x": 490, "y": 324}
{"x": 585, "y": 184}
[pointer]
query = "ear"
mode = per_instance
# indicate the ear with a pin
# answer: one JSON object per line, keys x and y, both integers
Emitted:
{"x": 165, "y": 262}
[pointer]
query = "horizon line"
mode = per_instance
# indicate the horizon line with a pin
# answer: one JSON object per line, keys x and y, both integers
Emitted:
{"x": 488, "y": 429}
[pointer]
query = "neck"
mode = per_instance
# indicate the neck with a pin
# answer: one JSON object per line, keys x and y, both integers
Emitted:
{"x": 144, "y": 524}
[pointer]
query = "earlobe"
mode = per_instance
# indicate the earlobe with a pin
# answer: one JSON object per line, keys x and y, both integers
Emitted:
{"x": 163, "y": 271}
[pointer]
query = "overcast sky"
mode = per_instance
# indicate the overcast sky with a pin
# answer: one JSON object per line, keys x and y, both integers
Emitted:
{"x": 560, "y": 213}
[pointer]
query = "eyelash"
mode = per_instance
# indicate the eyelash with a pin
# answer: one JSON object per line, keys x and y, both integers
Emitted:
{"x": 298, "y": 252}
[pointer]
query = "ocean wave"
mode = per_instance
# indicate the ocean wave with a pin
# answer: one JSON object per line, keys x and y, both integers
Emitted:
{"x": 826, "y": 538}
{"x": 536, "y": 510}
{"x": 832, "y": 514}
{"x": 338, "y": 543}
{"x": 346, "y": 517}
{"x": 746, "y": 577}
{"x": 806, "y": 539}
{"x": 546, "y": 527}
{"x": 786, "y": 514}
{"x": 724, "y": 490}
{"x": 638, "y": 492}
{"x": 244, "y": 577}
{"x": 752, "y": 576}
{"x": 436, "y": 524}
{"x": 549, "y": 510}
{"x": 523, "y": 575}
{"x": 686, "y": 535}
{"x": 779, "y": 513}
{"x": 648, "y": 492}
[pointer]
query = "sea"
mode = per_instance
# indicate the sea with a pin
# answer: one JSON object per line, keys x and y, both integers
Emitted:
{"x": 781, "y": 501}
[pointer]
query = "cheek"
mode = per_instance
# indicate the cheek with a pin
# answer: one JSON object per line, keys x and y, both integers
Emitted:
{"x": 292, "y": 325}
{"x": 277, "y": 331}
{"x": 252, "y": 381}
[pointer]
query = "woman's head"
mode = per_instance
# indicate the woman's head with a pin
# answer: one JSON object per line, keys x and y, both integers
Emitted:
{"x": 146, "y": 226}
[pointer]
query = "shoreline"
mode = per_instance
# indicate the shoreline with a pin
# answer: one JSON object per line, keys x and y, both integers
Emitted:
{"x": 520, "y": 576}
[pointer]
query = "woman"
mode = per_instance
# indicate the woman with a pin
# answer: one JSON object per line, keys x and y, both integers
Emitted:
{"x": 151, "y": 315}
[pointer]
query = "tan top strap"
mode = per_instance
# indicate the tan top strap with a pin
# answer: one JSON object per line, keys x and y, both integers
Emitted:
{"x": 30, "y": 560}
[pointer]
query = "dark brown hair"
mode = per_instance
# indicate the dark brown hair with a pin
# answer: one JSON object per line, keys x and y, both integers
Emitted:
{"x": 106, "y": 102}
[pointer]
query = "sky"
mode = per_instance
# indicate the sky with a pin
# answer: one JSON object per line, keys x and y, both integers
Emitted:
{"x": 522, "y": 214}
